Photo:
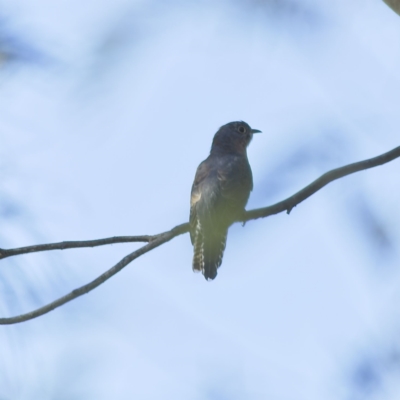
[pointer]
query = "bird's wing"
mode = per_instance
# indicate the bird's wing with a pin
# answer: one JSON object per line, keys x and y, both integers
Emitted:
{"x": 204, "y": 193}
{"x": 208, "y": 235}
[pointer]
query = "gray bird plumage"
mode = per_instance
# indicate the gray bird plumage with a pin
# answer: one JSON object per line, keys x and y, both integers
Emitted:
{"x": 220, "y": 191}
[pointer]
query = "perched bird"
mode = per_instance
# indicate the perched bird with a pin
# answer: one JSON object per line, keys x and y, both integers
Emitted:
{"x": 220, "y": 191}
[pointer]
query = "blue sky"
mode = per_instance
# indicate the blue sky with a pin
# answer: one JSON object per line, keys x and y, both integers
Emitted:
{"x": 107, "y": 108}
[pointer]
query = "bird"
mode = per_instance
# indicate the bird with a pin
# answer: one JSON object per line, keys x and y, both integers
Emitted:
{"x": 220, "y": 192}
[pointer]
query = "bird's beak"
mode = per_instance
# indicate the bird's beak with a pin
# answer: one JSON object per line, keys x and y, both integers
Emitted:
{"x": 255, "y": 131}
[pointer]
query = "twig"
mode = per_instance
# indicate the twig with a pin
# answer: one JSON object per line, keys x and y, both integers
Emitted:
{"x": 330, "y": 176}
{"x": 4, "y": 253}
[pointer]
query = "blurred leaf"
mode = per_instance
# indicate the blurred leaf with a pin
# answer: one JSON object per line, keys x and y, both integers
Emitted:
{"x": 373, "y": 372}
{"x": 322, "y": 153}
{"x": 394, "y": 5}
{"x": 374, "y": 229}
{"x": 14, "y": 48}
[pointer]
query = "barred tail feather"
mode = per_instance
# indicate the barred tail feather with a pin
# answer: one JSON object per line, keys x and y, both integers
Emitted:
{"x": 213, "y": 253}
{"x": 198, "y": 246}
{"x": 208, "y": 251}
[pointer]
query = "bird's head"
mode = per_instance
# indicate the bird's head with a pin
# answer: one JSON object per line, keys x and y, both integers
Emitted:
{"x": 233, "y": 137}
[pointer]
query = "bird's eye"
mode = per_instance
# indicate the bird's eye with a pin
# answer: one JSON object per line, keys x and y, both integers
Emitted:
{"x": 242, "y": 129}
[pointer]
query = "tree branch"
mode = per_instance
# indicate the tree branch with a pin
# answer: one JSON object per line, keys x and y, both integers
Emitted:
{"x": 157, "y": 240}
{"x": 330, "y": 176}
{"x": 4, "y": 253}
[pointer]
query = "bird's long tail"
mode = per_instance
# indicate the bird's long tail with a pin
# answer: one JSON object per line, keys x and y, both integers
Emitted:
{"x": 208, "y": 251}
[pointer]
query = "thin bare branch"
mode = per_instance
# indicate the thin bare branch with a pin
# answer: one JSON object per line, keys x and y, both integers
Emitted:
{"x": 4, "y": 253}
{"x": 157, "y": 240}
{"x": 330, "y": 176}
{"x": 161, "y": 238}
